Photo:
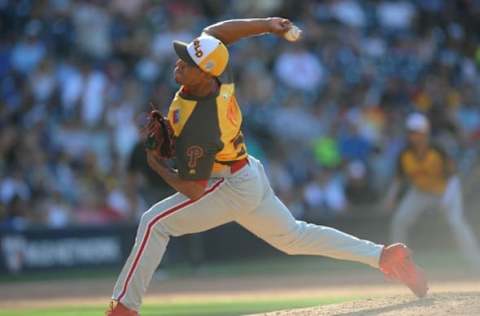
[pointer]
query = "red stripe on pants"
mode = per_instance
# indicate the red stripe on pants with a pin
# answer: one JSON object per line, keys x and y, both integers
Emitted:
{"x": 149, "y": 230}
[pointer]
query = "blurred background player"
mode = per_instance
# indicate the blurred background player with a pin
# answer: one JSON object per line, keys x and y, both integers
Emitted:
{"x": 432, "y": 184}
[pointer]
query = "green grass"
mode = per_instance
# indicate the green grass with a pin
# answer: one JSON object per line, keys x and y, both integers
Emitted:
{"x": 213, "y": 308}
{"x": 264, "y": 266}
{"x": 431, "y": 260}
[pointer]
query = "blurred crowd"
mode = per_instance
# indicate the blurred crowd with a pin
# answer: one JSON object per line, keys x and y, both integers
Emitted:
{"x": 325, "y": 114}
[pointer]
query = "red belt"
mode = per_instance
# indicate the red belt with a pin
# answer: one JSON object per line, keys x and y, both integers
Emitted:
{"x": 237, "y": 165}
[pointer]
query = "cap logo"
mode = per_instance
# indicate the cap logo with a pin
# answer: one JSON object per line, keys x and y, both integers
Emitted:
{"x": 198, "y": 50}
{"x": 209, "y": 65}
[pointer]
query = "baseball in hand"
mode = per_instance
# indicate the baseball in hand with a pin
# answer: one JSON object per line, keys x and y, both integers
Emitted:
{"x": 293, "y": 34}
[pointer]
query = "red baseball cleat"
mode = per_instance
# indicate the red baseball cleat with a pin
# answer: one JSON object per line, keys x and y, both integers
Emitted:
{"x": 396, "y": 263}
{"x": 118, "y": 309}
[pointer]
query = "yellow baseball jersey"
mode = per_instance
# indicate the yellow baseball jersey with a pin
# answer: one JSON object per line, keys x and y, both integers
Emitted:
{"x": 207, "y": 129}
{"x": 428, "y": 173}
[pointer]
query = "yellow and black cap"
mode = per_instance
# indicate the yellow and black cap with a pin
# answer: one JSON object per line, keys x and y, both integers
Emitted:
{"x": 206, "y": 52}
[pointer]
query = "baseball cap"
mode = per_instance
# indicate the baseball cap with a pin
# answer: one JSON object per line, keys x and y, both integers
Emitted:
{"x": 206, "y": 52}
{"x": 417, "y": 122}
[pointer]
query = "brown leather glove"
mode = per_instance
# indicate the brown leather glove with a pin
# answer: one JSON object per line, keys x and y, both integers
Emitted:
{"x": 160, "y": 135}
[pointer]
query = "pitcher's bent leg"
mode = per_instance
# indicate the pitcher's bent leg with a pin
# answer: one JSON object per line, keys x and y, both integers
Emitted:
{"x": 173, "y": 216}
{"x": 273, "y": 222}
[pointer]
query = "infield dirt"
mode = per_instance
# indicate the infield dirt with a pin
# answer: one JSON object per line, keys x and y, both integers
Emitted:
{"x": 438, "y": 304}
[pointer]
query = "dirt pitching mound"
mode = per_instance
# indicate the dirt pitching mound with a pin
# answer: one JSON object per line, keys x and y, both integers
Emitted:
{"x": 441, "y": 304}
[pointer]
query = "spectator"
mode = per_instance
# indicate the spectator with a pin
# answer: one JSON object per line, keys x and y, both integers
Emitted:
{"x": 300, "y": 69}
{"x": 325, "y": 194}
{"x": 14, "y": 187}
{"x": 92, "y": 24}
{"x": 358, "y": 189}
{"x": 396, "y": 15}
{"x": 58, "y": 212}
{"x": 28, "y": 52}
{"x": 349, "y": 12}
{"x": 16, "y": 216}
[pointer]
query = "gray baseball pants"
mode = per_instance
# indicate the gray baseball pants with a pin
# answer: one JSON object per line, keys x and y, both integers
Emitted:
{"x": 450, "y": 203}
{"x": 246, "y": 198}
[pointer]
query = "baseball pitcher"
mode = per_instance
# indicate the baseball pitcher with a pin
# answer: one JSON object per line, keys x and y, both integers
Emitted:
{"x": 219, "y": 182}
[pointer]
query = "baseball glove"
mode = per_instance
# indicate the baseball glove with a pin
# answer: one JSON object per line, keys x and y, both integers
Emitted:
{"x": 160, "y": 135}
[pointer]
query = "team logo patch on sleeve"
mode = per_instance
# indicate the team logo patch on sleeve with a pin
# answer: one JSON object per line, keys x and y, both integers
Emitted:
{"x": 176, "y": 116}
